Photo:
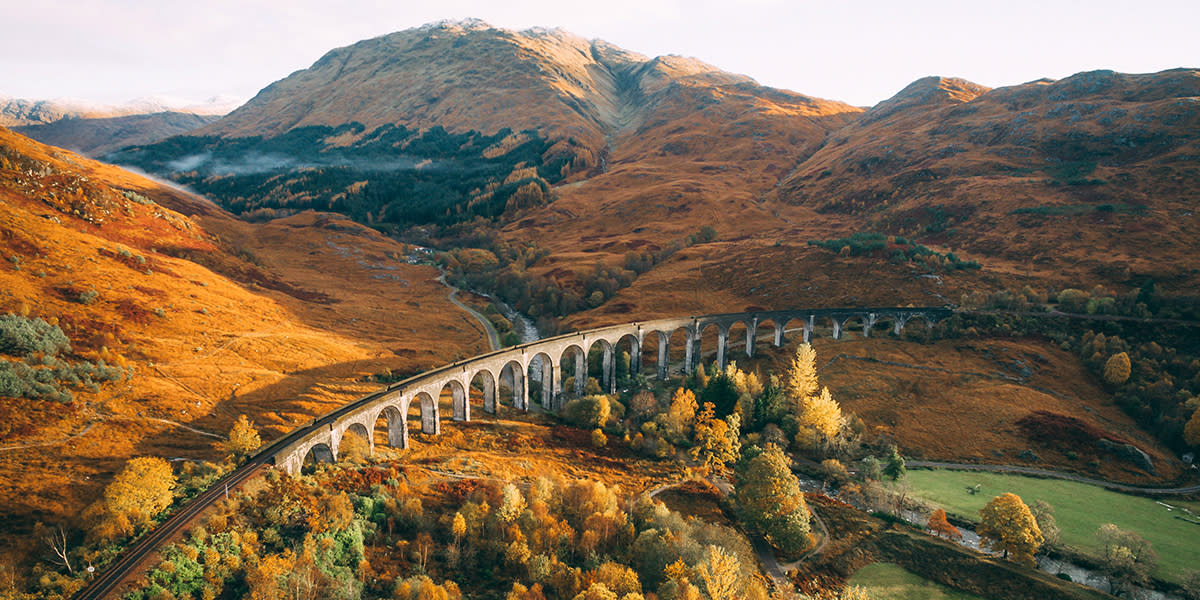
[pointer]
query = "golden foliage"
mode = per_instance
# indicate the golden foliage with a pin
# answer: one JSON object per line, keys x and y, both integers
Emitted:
{"x": 716, "y": 443}
{"x": 141, "y": 490}
{"x": 745, "y": 383}
{"x": 596, "y": 591}
{"x": 823, "y": 414}
{"x": 681, "y": 415}
{"x": 802, "y": 376}
{"x": 718, "y": 571}
{"x": 421, "y": 587}
{"x": 1006, "y": 524}
{"x": 1191, "y": 432}
{"x": 617, "y": 577}
{"x": 459, "y": 527}
{"x": 243, "y": 439}
{"x": 1117, "y": 368}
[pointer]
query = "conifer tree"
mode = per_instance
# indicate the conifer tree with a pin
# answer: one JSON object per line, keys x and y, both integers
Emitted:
{"x": 802, "y": 376}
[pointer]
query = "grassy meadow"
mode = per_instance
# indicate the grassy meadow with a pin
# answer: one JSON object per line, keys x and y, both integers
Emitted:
{"x": 887, "y": 581}
{"x": 1080, "y": 510}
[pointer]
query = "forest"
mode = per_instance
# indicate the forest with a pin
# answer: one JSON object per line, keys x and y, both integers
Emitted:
{"x": 391, "y": 178}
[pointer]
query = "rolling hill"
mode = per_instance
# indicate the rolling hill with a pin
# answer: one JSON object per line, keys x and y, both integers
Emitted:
{"x": 207, "y": 317}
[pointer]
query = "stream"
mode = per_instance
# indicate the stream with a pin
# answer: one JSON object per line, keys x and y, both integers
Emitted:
{"x": 1081, "y": 575}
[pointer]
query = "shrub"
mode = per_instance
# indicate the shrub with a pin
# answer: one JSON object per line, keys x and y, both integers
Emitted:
{"x": 87, "y": 297}
{"x": 20, "y": 336}
{"x": 599, "y": 440}
{"x": 589, "y": 411}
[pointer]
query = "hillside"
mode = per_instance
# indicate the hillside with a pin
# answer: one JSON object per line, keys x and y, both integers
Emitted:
{"x": 1091, "y": 179}
{"x": 208, "y": 317}
{"x": 606, "y": 165}
{"x": 95, "y": 136}
{"x": 480, "y": 113}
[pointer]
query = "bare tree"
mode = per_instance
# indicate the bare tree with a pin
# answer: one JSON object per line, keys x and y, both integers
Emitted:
{"x": 57, "y": 539}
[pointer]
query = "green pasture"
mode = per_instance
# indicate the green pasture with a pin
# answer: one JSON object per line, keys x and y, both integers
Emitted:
{"x": 1080, "y": 510}
{"x": 887, "y": 581}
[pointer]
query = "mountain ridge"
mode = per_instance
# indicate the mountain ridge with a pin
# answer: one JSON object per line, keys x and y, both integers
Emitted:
{"x": 630, "y": 153}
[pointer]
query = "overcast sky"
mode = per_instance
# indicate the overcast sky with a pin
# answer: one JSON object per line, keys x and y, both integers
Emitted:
{"x": 114, "y": 51}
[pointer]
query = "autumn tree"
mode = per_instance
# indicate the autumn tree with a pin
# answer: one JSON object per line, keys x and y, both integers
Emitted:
{"x": 1043, "y": 513}
{"x": 144, "y": 488}
{"x": 421, "y": 587}
{"x": 618, "y": 578}
{"x": 770, "y": 499}
{"x": 821, "y": 416}
{"x": 681, "y": 415}
{"x": 1191, "y": 432}
{"x": 719, "y": 572}
{"x": 243, "y": 439}
{"x": 801, "y": 381}
{"x": 1117, "y": 368}
{"x": 589, "y": 411}
{"x": 715, "y": 444}
{"x": 940, "y": 525}
{"x": 1007, "y": 525}
{"x": 1126, "y": 555}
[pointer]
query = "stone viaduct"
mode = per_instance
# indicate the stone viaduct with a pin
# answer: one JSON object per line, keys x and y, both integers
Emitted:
{"x": 541, "y": 363}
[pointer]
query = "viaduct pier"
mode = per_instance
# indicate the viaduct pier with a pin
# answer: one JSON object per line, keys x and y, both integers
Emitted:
{"x": 541, "y": 363}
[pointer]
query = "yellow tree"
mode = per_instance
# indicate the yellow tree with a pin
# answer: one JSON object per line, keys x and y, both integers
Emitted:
{"x": 243, "y": 439}
{"x": 1117, "y": 368}
{"x": 716, "y": 444}
{"x": 140, "y": 491}
{"x": 681, "y": 415}
{"x": 1191, "y": 432}
{"x": 1006, "y": 524}
{"x": 802, "y": 376}
{"x": 822, "y": 414}
{"x": 719, "y": 572}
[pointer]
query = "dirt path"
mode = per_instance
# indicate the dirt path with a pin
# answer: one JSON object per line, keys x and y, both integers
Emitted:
{"x": 1116, "y": 487}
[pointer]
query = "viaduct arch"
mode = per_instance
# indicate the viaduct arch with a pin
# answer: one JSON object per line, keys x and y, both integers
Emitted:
{"x": 527, "y": 365}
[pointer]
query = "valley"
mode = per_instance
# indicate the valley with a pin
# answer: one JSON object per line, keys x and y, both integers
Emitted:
{"x": 448, "y": 305}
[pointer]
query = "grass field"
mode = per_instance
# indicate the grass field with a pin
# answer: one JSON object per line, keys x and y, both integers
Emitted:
{"x": 1080, "y": 509}
{"x": 887, "y": 581}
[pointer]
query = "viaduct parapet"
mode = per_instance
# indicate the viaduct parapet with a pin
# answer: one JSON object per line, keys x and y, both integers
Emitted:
{"x": 541, "y": 363}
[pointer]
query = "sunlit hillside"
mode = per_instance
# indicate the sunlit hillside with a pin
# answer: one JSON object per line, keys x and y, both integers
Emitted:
{"x": 208, "y": 316}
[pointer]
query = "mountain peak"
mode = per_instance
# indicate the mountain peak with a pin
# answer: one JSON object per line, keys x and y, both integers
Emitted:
{"x": 927, "y": 92}
{"x": 470, "y": 75}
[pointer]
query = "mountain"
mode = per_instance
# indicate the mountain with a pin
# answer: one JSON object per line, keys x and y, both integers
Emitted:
{"x": 96, "y": 129}
{"x": 608, "y": 167}
{"x": 95, "y": 136}
{"x": 1092, "y": 178}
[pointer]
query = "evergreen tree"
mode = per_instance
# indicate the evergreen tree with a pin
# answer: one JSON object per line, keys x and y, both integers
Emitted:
{"x": 893, "y": 467}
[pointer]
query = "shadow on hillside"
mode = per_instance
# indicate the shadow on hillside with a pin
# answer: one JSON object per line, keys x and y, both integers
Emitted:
{"x": 278, "y": 408}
